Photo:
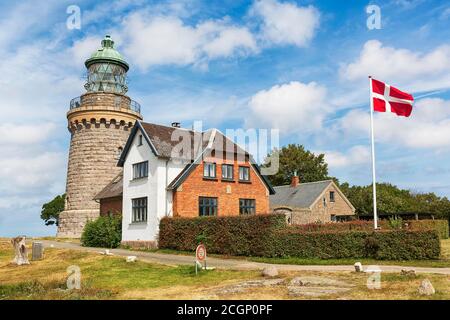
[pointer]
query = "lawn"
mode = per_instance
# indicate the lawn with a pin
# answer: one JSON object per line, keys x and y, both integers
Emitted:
{"x": 443, "y": 262}
{"x": 109, "y": 277}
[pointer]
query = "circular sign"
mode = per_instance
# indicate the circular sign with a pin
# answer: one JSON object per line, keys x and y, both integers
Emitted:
{"x": 200, "y": 252}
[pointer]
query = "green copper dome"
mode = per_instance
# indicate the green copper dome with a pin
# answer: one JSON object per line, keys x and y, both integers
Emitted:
{"x": 107, "y": 54}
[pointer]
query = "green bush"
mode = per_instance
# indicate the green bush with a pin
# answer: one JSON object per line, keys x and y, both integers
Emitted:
{"x": 268, "y": 236}
{"x": 395, "y": 223}
{"x": 105, "y": 232}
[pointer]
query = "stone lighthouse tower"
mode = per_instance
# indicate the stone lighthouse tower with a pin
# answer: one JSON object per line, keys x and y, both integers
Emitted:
{"x": 99, "y": 122}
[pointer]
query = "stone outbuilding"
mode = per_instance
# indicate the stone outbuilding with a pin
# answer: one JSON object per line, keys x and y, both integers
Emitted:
{"x": 303, "y": 203}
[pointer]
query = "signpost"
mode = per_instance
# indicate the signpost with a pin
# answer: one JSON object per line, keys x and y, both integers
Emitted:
{"x": 200, "y": 256}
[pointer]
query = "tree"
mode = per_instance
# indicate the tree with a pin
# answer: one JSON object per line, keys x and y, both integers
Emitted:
{"x": 295, "y": 158}
{"x": 391, "y": 199}
{"x": 51, "y": 210}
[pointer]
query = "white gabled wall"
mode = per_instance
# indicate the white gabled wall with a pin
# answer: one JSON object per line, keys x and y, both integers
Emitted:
{"x": 159, "y": 201}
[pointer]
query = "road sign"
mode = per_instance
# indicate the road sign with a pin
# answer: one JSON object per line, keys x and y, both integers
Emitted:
{"x": 200, "y": 255}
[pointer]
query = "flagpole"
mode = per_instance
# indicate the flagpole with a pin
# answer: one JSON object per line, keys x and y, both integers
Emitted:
{"x": 374, "y": 186}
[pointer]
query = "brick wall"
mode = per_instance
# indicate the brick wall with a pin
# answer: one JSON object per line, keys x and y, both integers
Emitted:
{"x": 185, "y": 198}
{"x": 111, "y": 205}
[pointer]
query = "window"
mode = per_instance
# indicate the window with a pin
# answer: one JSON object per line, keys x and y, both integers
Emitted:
{"x": 209, "y": 170}
{"x": 140, "y": 170}
{"x": 331, "y": 196}
{"x": 139, "y": 209}
{"x": 324, "y": 201}
{"x": 333, "y": 218}
{"x": 119, "y": 152}
{"x": 140, "y": 140}
{"x": 227, "y": 171}
{"x": 244, "y": 173}
{"x": 207, "y": 206}
{"x": 247, "y": 206}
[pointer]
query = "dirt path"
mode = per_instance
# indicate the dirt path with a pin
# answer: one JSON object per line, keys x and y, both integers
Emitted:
{"x": 173, "y": 260}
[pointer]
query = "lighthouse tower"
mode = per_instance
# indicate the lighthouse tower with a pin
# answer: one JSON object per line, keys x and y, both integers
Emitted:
{"x": 99, "y": 122}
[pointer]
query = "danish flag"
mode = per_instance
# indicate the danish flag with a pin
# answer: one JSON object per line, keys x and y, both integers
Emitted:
{"x": 386, "y": 98}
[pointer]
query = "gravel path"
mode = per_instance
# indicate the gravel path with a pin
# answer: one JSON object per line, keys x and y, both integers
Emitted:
{"x": 173, "y": 260}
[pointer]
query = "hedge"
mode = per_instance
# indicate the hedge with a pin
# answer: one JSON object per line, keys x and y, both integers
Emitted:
{"x": 105, "y": 232}
{"x": 381, "y": 245}
{"x": 238, "y": 235}
{"x": 268, "y": 236}
{"x": 441, "y": 226}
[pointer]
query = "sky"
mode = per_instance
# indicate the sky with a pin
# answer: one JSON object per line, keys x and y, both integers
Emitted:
{"x": 297, "y": 66}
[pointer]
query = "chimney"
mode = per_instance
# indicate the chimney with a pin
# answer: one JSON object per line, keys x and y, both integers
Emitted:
{"x": 295, "y": 180}
{"x": 176, "y": 124}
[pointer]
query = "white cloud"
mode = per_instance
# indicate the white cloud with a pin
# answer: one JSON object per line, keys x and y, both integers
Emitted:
{"x": 292, "y": 107}
{"x": 13, "y": 134}
{"x": 157, "y": 40}
{"x": 286, "y": 23}
{"x": 427, "y": 127}
{"x": 410, "y": 70}
{"x": 27, "y": 171}
{"x": 356, "y": 155}
{"x": 229, "y": 41}
{"x": 83, "y": 49}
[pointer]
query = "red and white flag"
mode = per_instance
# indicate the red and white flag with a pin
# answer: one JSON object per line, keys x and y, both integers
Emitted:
{"x": 390, "y": 99}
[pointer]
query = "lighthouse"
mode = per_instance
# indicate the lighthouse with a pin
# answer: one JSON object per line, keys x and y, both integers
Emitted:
{"x": 99, "y": 122}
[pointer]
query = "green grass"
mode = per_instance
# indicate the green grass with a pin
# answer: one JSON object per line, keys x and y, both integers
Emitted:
{"x": 444, "y": 262}
{"x": 102, "y": 277}
{"x": 118, "y": 273}
{"x": 111, "y": 277}
{"x": 300, "y": 261}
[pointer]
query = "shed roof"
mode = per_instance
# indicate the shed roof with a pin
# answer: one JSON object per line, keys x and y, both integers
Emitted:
{"x": 112, "y": 189}
{"x": 302, "y": 196}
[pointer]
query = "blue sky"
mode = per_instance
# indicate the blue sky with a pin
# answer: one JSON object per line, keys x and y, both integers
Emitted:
{"x": 297, "y": 66}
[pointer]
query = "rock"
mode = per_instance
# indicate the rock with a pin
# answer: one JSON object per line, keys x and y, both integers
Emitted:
{"x": 426, "y": 288}
{"x": 316, "y": 286}
{"x": 317, "y": 281}
{"x": 406, "y": 272}
{"x": 243, "y": 286}
{"x": 19, "y": 244}
{"x": 131, "y": 259}
{"x": 314, "y": 291}
{"x": 270, "y": 271}
{"x": 358, "y": 267}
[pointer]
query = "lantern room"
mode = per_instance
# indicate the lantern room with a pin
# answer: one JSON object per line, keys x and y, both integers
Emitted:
{"x": 106, "y": 70}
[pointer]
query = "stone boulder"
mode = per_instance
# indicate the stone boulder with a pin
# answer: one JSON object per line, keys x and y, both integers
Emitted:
{"x": 426, "y": 288}
{"x": 270, "y": 271}
{"x": 131, "y": 259}
{"x": 358, "y": 267}
{"x": 410, "y": 273}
